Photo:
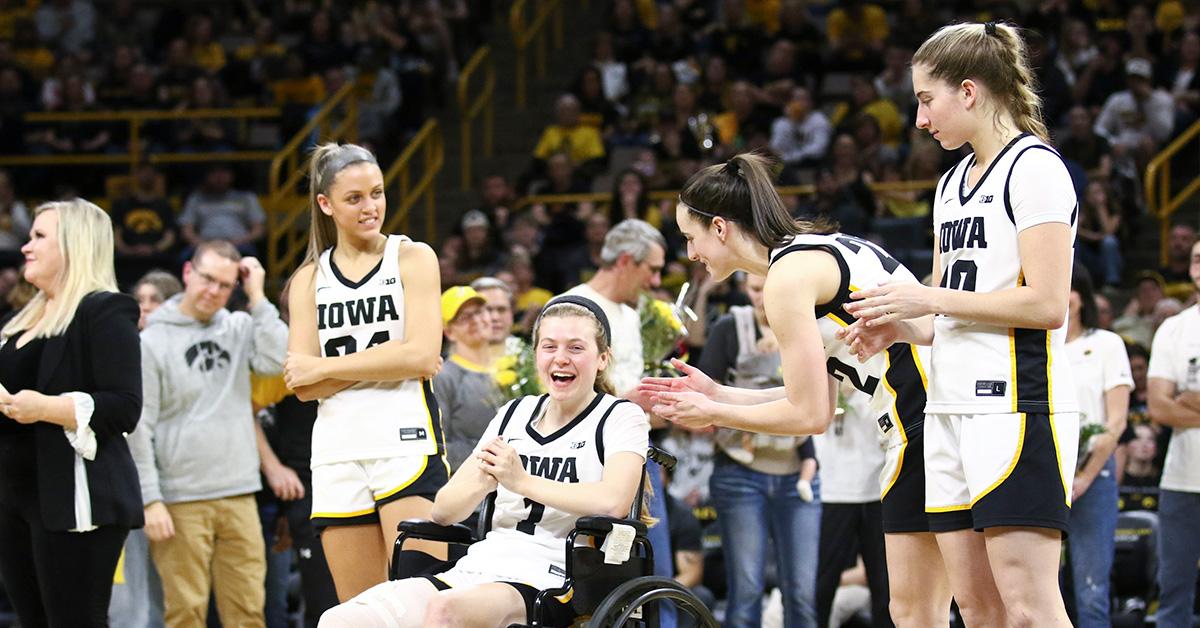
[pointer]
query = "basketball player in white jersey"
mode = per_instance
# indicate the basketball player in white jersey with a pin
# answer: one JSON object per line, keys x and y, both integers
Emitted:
{"x": 544, "y": 461}
{"x": 365, "y": 338}
{"x": 733, "y": 219}
{"x": 1002, "y": 424}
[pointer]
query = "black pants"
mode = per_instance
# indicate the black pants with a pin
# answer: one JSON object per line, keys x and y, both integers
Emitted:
{"x": 57, "y": 579}
{"x": 848, "y": 530}
{"x": 315, "y": 579}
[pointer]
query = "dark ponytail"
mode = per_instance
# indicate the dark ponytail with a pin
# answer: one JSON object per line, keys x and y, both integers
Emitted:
{"x": 742, "y": 190}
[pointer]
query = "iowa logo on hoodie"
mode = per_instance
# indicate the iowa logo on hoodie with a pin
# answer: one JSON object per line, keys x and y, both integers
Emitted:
{"x": 207, "y": 355}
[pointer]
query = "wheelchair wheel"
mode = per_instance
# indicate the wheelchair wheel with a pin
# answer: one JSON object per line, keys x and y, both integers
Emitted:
{"x": 617, "y": 609}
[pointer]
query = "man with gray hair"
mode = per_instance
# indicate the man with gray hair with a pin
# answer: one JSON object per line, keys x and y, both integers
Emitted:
{"x": 631, "y": 261}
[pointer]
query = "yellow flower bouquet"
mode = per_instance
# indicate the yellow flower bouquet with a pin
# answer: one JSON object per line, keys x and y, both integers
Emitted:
{"x": 516, "y": 373}
{"x": 662, "y": 328}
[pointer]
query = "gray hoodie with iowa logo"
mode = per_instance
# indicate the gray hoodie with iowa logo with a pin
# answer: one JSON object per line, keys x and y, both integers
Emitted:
{"x": 195, "y": 439}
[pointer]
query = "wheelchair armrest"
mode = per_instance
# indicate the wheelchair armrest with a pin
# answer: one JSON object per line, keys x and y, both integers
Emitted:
{"x": 601, "y": 524}
{"x": 430, "y": 531}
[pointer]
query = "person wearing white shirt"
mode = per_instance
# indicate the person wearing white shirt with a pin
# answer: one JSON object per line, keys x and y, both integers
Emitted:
{"x": 1103, "y": 380}
{"x": 801, "y": 136}
{"x": 1174, "y": 400}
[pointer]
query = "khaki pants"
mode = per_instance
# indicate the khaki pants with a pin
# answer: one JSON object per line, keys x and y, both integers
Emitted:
{"x": 217, "y": 541}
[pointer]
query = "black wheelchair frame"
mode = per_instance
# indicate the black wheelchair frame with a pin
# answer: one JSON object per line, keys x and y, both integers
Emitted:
{"x": 613, "y": 595}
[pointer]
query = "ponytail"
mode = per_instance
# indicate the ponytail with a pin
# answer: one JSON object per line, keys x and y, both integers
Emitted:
{"x": 324, "y": 164}
{"x": 994, "y": 55}
{"x": 742, "y": 190}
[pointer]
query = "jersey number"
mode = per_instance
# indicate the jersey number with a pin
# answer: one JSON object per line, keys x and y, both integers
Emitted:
{"x": 843, "y": 372}
{"x": 536, "y": 511}
{"x": 345, "y": 345}
{"x": 888, "y": 262}
{"x": 961, "y": 276}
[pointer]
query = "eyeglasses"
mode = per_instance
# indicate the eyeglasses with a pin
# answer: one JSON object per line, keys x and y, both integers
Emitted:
{"x": 225, "y": 286}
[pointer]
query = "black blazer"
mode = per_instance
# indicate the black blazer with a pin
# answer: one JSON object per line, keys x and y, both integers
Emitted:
{"x": 99, "y": 354}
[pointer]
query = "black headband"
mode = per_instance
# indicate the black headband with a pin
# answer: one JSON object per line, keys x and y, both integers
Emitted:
{"x": 586, "y": 304}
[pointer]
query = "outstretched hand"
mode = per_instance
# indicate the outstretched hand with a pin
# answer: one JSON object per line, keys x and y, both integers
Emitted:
{"x": 891, "y": 302}
{"x": 865, "y": 342}
{"x": 692, "y": 380}
{"x": 689, "y": 410}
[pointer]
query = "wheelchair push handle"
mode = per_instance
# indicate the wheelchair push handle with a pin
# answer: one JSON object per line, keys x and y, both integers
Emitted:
{"x": 664, "y": 459}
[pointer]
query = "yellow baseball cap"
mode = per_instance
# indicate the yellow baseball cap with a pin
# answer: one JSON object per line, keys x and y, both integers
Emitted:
{"x": 454, "y": 298}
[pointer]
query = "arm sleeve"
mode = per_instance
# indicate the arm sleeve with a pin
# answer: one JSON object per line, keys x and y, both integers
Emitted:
{"x": 1160, "y": 115}
{"x": 141, "y": 440}
{"x": 115, "y": 362}
{"x": 1106, "y": 122}
{"x": 627, "y": 429}
{"x": 1040, "y": 189}
{"x": 721, "y": 350}
{"x": 270, "y": 336}
{"x": 254, "y": 210}
{"x": 783, "y": 139}
{"x": 1116, "y": 363}
{"x": 191, "y": 209}
{"x": 1162, "y": 353}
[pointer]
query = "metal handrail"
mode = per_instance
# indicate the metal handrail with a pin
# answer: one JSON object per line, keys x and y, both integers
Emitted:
{"x": 1157, "y": 183}
{"x": 135, "y": 118}
{"x": 292, "y": 154}
{"x": 484, "y": 104}
{"x": 429, "y": 144}
{"x": 524, "y": 34}
{"x": 287, "y": 237}
{"x": 603, "y": 198}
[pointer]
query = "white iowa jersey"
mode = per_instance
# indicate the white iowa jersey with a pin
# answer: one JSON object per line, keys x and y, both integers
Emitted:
{"x": 894, "y": 379}
{"x": 984, "y": 369}
{"x": 369, "y": 419}
{"x": 525, "y": 539}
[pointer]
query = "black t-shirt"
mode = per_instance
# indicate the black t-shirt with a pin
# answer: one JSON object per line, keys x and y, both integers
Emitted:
{"x": 291, "y": 436}
{"x": 143, "y": 222}
{"x": 683, "y": 527}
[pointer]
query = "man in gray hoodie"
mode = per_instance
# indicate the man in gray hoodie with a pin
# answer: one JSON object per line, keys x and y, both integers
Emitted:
{"x": 195, "y": 447}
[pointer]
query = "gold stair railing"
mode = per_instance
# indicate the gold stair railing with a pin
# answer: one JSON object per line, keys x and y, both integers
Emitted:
{"x": 533, "y": 32}
{"x": 405, "y": 190}
{"x": 1160, "y": 202}
{"x": 134, "y": 154}
{"x": 602, "y": 199}
{"x": 287, "y": 211}
{"x": 482, "y": 104}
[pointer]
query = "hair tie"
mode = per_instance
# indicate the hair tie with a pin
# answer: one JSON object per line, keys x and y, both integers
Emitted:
{"x": 734, "y": 168}
{"x": 989, "y": 28}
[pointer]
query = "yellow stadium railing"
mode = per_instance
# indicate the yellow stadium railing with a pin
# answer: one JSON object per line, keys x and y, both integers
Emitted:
{"x": 471, "y": 108}
{"x": 533, "y": 32}
{"x": 1161, "y": 202}
{"x": 134, "y": 151}
{"x": 405, "y": 189}
{"x": 604, "y": 198}
{"x": 287, "y": 210}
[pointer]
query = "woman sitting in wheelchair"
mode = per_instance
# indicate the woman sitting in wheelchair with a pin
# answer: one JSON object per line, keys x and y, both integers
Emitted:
{"x": 549, "y": 459}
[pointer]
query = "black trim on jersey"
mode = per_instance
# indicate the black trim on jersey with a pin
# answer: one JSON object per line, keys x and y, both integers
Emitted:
{"x": 512, "y": 407}
{"x": 904, "y": 377}
{"x": 583, "y": 414}
{"x": 435, "y": 415}
{"x": 1008, "y": 204}
{"x": 962, "y": 200}
{"x": 842, "y": 297}
{"x": 1032, "y": 385}
{"x": 948, "y": 177}
{"x": 353, "y": 285}
{"x": 600, "y": 428}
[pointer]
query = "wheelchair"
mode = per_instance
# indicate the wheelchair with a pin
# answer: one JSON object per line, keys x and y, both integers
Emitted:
{"x": 602, "y": 595}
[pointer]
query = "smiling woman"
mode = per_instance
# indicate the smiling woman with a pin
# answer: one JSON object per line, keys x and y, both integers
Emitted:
{"x": 71, "y": 376}
{"x": 357, "y": 304}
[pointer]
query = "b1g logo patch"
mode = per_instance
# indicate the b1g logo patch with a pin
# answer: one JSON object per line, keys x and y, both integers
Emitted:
{"x": 990, "y": 388}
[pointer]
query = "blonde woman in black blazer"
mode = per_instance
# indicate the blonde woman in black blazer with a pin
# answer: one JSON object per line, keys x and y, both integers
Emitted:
{"x": 70, "y": 364}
